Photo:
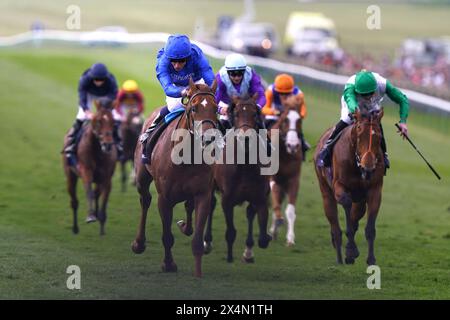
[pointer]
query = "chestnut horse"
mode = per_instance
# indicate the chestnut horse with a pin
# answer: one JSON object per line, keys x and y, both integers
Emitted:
{"x": 96, "y": 161}
{"x": 355, "y": 181}
{"x": 238, "y": 182}
{"x": 130, "y": 130}
{"x": 175, "y": 183}
{"x": 287, "y": 179}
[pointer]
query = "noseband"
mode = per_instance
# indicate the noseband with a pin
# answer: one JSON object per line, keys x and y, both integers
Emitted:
{"x": 189, "y": 114}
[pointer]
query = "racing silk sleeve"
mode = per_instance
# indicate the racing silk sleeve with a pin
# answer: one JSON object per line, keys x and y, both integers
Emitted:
{"x": 140, "y": 101}
{"x": 205, "y": 69}
{"x": 398, "y": 97}
{"x": 221, "y": 93}
{"x": 257, "y": 87}
{"x": 267, "y": 109}
{"x": 350, "y": 97}
{"x": 82, "y": 92}
{"x": 164, "y": 78}
{"x": 112, "y": 92}
{"x": 303, "y": 111}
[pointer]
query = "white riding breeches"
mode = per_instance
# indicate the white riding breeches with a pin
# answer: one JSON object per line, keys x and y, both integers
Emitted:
{"x": 81, "y": 115}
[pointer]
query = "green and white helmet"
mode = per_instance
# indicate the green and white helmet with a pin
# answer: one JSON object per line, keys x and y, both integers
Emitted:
{"x": 365, "y": 82}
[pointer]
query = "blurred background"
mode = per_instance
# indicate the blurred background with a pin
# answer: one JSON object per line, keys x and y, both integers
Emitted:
{"x": 46, "y": 45}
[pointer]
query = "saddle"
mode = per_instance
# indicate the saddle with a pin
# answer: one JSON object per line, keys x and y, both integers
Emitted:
{"x": 154, "y": 136}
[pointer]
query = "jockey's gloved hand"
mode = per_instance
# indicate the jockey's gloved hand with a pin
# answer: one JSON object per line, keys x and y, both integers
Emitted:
{"x": 404, "y": 130}
{"x": 89, "y": 114}
{"x": 184, "y": 92}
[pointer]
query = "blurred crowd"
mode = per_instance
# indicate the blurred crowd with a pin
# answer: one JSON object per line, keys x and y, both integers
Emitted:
{"x": 430, "y": 75}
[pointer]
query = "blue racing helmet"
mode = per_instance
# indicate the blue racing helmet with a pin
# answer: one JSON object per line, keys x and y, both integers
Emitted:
{"x": 178, "y": 46}
{"x": 98, "y": 71}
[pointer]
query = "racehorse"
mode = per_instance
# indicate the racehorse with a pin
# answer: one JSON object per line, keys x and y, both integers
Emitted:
{"x": 238, "y": 183}
{"x": 130, "y": 130}
{"x": 287, "y": 179}
{"x": 355, "y": 181}
{"x": 175, "y": 183}
{"x": 96, "y": 161}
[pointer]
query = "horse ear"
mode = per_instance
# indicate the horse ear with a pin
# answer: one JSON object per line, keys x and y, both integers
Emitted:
{"x": 255, "y": 97}
{"x": 214, "y": 86}
{"x": 97, "y": 104}
{"x": 191, "y": 84}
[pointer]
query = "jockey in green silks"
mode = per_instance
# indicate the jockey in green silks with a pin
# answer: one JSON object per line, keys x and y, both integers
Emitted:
{"x": 365, "y": 90}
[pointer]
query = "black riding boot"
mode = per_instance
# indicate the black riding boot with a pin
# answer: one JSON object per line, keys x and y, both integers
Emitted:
{"x": 118, "y": 140}
{"x": 145, "y": 137}
{"x": 305, "y": 145}
{"x": 71, "y": 145}
{"x": 324, "y": 158}
{"x": 387, "y": 164}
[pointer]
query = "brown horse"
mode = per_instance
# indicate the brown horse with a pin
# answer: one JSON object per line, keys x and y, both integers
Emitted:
{"x": 97, "y": 156}
{"x": 287, "y": 179}
{"x": 355, "y": 181}
{"x": 174, "y": 182}
{"x": 130, "y": 130}
{"x": 238, "y": 183}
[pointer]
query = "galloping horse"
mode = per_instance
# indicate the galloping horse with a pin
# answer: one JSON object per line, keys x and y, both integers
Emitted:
{"x": 287, "y": 179}
{"x": 175, "y": 183}
{"x": 130, "y": 130}
{"x": 355, "y": 181}
{"x": 242, "y": 182}
{"x": 97, "y": 156}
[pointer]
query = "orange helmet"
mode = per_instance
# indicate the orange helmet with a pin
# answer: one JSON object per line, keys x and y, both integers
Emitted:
{"x": 284, "y": 83}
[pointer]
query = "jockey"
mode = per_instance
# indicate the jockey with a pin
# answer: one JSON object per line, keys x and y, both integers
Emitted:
{"x": 129, "y": 97}
{"x": 178, "y": 61}
{"x": 365, "y": 89}
{"x": 276, "y": 96}
{"x": 236, "y": 79}
{"x": 95, "y": 82}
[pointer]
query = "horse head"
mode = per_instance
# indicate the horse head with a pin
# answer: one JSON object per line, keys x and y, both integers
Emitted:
{"x": 366, "y": 137}
{"x": 134, "y": 120}
{"x": 201, "y": 107}
{"x": 244, "y": 112}
{"x": 103, "y": 123}
{"x": 290, "y": 124}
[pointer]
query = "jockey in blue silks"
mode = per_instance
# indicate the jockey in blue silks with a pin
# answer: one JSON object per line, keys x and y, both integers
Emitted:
{"x": 178, "y": 61}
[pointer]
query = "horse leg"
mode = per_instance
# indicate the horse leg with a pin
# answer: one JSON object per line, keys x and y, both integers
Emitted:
{"x": 293, "y": 186}
{"x": 263, "y": 217}
{"x": 230, "y": 233}
{"x": 72, "y": 189}
{"x": 331, "y": 212}
{"x": 104, "y": 191}
{"x": 356, "y": 213}
{"x": 186, "y": 226}
{"x": 248, "y": 256}
{"x": 202, "y": 210}
{"x": 208, "y": 234}
{"x": 373, "y": 205}
{"x": 132, "y": 174}
{"x": 166, "y": 214}
{"x": 90, "y": 195}
{"x": 143, "y": 180}
{"x": 277, "y": 199}
{"x": 123, "y": 175}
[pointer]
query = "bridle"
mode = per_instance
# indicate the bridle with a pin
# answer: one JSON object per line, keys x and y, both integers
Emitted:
{"x": 245, "y": 125}
{"x": 191, "y": 118}
{"x": 358, "y": 158}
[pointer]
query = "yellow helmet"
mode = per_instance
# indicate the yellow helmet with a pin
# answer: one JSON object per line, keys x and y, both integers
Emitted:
{"x": 130, "y": 86}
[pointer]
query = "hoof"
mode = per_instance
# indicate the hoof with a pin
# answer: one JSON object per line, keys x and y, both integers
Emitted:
{"x": 169, "y": 267}
{"x": 207, "y": 247}
{"x": 349, "y": 260}
{"x": 290, "y": 244}
{"x": 244, "y": 259}
{"x": 183, "y": 228}
{"x": 75, "y": 230}
{"x": 230, "y": 259}
{"x": 371, "y": 261}
{"x": 138, "y": 247}
{"x": 91, "y": 218}
{"x": 263, "y": 242}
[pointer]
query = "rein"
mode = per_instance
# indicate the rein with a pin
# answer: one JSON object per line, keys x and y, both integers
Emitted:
{"x": 358, "y": 159}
